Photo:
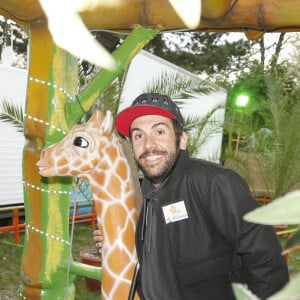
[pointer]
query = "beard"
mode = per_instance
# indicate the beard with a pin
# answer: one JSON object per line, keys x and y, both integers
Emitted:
{"x": 159, "y": 175}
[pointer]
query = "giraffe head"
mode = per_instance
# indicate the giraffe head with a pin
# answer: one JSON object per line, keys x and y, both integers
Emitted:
{"x": 78, "y": 153}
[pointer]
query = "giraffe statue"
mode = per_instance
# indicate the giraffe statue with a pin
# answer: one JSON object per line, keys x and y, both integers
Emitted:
{"x": 94, "y": 151}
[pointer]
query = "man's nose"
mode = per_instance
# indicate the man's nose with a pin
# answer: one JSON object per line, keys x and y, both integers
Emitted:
{"x": 149, "y": 142}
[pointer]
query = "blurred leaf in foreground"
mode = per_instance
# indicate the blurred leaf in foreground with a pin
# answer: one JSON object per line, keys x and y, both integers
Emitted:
{"x": 283, "y": 210}
{"x": 242, "y": 292}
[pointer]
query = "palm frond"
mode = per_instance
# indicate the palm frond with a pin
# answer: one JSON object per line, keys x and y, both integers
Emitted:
{"x": 179, "y": 86}
{"x": 241, "y": 163}
{"x": 110, "y": 98}
{"x": 13, "y": 114}
{"x": 196, "y": 121}
{"x": 271, "y": 133}
{"x": 201, "y": 129}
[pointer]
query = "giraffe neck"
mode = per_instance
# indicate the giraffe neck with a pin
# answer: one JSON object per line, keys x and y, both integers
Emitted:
{"x": 111, "y": 180}
{"x": 114, "y": 198}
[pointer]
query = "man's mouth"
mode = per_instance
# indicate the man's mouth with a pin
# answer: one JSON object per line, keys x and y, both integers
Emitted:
{"x": 152, "y": 155}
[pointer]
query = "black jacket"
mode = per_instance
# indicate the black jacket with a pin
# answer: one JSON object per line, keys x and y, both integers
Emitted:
{"x": 198, "y": 254}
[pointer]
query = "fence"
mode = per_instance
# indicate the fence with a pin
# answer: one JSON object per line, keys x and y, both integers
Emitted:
{"x": 84, "y": 213}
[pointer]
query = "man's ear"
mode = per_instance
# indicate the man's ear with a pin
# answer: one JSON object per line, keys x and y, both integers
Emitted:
{"x": 183, "y": 141}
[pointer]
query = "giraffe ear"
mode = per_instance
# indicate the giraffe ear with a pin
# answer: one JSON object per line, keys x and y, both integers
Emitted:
{"x": 107, "y": 124}
{"x": 96, "y": 118}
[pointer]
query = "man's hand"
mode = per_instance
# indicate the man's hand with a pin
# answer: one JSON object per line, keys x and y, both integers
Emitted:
{"x": 98, "y": 239}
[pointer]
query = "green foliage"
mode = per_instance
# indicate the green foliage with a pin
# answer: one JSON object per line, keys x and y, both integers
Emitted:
{"x": 109, "y": 99}
{"x": 200, "y": 130}
{"x": 241, "y": 292}
{"x": 12, "y": 114}
{"x": 269, "y": 129}
{"x": 180, "y": 86}
{"x": 270, "y": 134}
{"x": 16, "y": 35}
{"x": 284, "y": 210}
{"x": 201, "y": 52}
{"x": 10, "y": 262}
{"x": 251, "y": 82}
{"x": 290, "y": 292}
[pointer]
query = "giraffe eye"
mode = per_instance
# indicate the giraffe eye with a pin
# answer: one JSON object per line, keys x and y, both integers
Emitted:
{"x": 81, "y": 142}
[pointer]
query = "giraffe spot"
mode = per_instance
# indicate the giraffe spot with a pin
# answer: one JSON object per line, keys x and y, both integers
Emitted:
{"x": 62, "y": 161}
{"x": 121, "y": 170}
{"x": 98, "y": 208}
{"x": 129, "y": 273}
{"x": 94, "y": 161}
{"x": 122, "y": 291}
{"x": 63, "y": 170}
{"x": 128, "y": 187}
{"x": 129, "y": 238}
{"x": 114, "y": 222}
{"x": 130, "y": 202}
{"x": 77, "y": 163}
{"x": 114, "y": 188}
{"x": 102, "y": 144}
{"x": 99, "y": 178}
{"x": 85, "y": 167}
{"x": 103, "y": 195}
{"x": 113, "y": 154}
{"x": 59, "y": 151}
{"x": 105, "y": 165}
{"x": 117, "y": 260}
{"x": 76, "y": 173}
{"x": 107, "y": 281}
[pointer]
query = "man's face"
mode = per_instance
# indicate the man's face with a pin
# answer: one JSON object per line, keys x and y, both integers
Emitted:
{"x": 154, "y": 146}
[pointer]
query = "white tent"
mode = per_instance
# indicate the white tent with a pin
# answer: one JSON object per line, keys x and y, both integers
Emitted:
{"x": 13, "y": 84}
{"x": 144, "y": 68}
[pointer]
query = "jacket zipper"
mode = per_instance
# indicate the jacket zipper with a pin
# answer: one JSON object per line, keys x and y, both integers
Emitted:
{"x": 147, "y": 222}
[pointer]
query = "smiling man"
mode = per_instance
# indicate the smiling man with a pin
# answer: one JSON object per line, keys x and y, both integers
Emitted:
{"x": 191, "y": 240}
{"x": 155, "y": 151}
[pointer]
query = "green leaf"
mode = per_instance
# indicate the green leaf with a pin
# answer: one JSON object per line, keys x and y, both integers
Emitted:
{"x": 13, "y": 114}
{"x": 293, "y": 241}
{"x": 241, "y": 292}
{"x": 283, "y": 210}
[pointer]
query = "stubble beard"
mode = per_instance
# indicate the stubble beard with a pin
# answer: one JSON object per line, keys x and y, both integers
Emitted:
{"x": 162, "y": 173}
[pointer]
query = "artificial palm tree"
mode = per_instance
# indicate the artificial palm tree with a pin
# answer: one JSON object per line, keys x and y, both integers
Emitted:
{"x": 270, "y": 138}
{"x": 181, "y": 86}
{"x": 12, "y": 114}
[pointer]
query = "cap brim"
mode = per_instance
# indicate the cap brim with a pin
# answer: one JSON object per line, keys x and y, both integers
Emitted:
{"x": 125, "y": 117}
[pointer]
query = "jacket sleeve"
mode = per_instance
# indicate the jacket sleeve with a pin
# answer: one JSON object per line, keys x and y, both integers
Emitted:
{"x": 263, "y": 267}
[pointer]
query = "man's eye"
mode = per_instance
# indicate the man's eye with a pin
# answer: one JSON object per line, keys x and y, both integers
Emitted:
{"x": 137, "y": 136}
{"x": 160, "y": 132}
{"x": 81, "y": 142}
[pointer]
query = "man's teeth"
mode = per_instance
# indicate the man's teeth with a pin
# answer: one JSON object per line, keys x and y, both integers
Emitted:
{"x": 152, "y": 157}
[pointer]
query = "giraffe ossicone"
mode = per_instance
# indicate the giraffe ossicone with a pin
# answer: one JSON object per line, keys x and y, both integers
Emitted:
{"x": 94, "y": 151}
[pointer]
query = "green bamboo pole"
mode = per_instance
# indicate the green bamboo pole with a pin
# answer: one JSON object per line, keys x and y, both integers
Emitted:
{"x": 52, "y": 78}
{"x": 133, "y": 43}
{"x": 53, "y": 82}
{"x": 81, "y": 269}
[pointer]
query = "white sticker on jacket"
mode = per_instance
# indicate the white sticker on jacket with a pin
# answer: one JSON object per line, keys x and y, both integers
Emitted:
{"x": 175, "y": 212}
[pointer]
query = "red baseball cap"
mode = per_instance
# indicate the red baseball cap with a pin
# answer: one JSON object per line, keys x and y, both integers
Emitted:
{"x": 148, "y": 104}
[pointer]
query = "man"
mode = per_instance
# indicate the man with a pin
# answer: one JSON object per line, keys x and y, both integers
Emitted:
{"x": 191, "y": 240}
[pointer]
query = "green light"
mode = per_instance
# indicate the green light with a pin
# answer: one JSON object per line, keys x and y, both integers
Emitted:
{"x": 242, "y": 100}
